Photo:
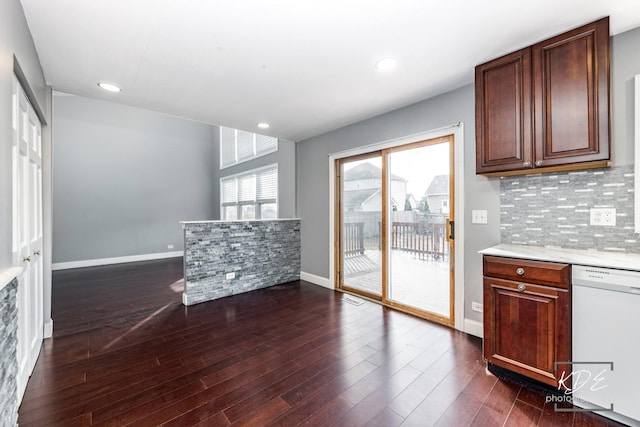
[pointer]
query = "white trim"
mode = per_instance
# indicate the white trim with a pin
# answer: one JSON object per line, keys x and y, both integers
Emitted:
{"x": 473, "y": 327}
{"x": 457, "y": 130}
{"x": 116, "y": 260}
{"x": 637, "y": 152}
{"x": 7, "y": 275}
{"x": 316, "y": 280}
{"x": 48, "y": 329}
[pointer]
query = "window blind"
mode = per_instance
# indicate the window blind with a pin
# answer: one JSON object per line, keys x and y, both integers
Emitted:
{"x": 253, "y": 194}
{"x": 237, "y": 146}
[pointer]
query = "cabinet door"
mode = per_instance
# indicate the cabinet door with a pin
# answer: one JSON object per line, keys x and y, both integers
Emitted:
{"x": 571, "y": 96}
{"x": 527, "y": 331}
{"x": 503, "y": 113}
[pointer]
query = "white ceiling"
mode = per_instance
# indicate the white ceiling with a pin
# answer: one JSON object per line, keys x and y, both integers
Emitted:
{"x": 305, "y": 66}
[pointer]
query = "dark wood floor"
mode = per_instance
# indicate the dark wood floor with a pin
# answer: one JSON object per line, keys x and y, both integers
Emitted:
{"x": 125, "y": 351}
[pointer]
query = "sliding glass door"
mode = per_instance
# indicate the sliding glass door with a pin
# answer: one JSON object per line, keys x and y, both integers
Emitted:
{"x": 395, "y": 227}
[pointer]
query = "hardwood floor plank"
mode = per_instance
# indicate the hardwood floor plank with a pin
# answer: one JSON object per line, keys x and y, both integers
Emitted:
{"x": 304, "y": 408}
{"x": 460, "y": 412}
{"x": 367, "y": 409}
{"x": 523, "y": 415}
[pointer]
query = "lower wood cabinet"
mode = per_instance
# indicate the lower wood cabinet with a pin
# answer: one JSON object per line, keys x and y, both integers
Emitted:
{"x": 527, "y": 317}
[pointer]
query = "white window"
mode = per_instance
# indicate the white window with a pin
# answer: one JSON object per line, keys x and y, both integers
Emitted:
{"x": 250, "y": 195}
{"x": 237, "y": 146}
{"x": 445, "y": 207}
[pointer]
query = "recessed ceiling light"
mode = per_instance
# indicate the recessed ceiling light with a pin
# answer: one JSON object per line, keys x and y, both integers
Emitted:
{"x": 263, "y": 125}
{"x": 109, "y": 87}
{"x": 386, "y": 64}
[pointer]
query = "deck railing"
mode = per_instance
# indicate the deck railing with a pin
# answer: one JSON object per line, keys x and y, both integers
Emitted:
{"x": 425, "y": 240}
{"x": 353, "y": 239}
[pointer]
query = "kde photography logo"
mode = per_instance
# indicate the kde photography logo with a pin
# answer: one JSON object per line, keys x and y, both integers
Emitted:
{"x": 582, "y": 378}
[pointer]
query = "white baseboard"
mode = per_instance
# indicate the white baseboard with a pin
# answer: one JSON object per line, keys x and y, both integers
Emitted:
{"x": 473, "y": 327}
{"x": 48, "y": 329}
{"x": 115, "y": 260}
{"x": 316, "y": 280}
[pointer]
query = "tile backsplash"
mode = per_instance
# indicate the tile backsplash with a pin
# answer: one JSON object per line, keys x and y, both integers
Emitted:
{"x": 553, "y": 209}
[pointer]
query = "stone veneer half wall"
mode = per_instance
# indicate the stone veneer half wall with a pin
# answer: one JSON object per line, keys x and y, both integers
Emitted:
{"x": 554, "y": 209}
{"x": 8, "y": 357}
{"x": 260, "y": 253}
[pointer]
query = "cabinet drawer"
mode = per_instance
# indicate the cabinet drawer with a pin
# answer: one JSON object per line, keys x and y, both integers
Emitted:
{"x": 539, "y": 272}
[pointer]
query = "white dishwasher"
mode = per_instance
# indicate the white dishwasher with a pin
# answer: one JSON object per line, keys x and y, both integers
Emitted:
{"x": 606, "y": 342}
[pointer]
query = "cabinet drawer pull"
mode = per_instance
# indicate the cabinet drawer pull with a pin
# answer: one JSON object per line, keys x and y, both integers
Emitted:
{"x": 538, "y": 162}
{"x": 522, "y": 287}
{"x": 520, "y": 271}
{"x": 526, "y": 164}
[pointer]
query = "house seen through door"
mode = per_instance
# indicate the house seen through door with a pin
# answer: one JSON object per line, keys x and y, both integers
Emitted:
{"x": 395, "y": 227}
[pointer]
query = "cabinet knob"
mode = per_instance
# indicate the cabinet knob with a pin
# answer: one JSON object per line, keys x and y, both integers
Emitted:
{"x": 526, "y": 164}
{"x": 520, "y": 271}
{"x": 522, "y": 287}
{"x": 538, "y": 162}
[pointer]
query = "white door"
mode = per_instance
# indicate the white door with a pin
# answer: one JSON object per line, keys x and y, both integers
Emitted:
{"x": 27, "y": 232}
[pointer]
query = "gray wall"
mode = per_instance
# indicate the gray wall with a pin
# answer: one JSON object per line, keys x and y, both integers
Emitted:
{"x": 285, "y": 157}
{"x": 15, "y": 39}
{"x": 625, "y": 64}
{"x": 123, "y": 178}
{"x": 479, "y": 192}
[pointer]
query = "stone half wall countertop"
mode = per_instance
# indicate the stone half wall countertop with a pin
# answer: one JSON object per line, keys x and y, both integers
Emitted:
{"x": 220, "y": 221}
{"x": 593, "y": 258}
{"x": 8, "y": 274}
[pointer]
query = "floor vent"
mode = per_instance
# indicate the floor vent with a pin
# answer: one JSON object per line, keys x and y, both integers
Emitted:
{"x": 352, "y": 300}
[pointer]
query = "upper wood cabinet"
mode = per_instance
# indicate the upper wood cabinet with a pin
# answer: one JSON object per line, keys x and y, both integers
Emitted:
{"x": 546, "y": 106}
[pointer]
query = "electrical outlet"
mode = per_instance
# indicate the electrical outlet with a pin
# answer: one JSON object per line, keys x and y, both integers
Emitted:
{"x": 231, "y": 275}
{"x": 478, "y": 216}
{"x": 603, "y": 216}
{"x": 476, "y": 306}
{"x": 169, "y": 246}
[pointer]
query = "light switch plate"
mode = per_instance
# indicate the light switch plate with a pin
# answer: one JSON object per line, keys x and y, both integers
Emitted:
{"x": 603, "y": 216}
{"x": 478, "y": 216}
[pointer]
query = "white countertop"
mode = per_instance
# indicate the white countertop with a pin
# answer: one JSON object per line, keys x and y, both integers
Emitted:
{"x": 8, "y": 274}
{"x": 238, "y": 220}
{"x": 592, "y": 258}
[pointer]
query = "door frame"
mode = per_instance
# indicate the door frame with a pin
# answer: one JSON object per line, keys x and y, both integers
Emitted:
{"x": 28, "y": 220}
{"x": 457, "y": 130}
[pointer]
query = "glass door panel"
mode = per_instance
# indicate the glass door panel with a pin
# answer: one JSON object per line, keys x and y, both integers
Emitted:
{"x": 420, "y": 206}
{"x": 360, "y": 228}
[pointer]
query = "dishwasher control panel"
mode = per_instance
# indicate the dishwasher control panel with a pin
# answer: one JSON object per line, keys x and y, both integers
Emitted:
{"x": 608, "y": 278}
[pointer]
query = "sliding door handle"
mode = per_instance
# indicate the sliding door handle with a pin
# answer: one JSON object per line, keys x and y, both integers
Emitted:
{"x": 451, "y": 229}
